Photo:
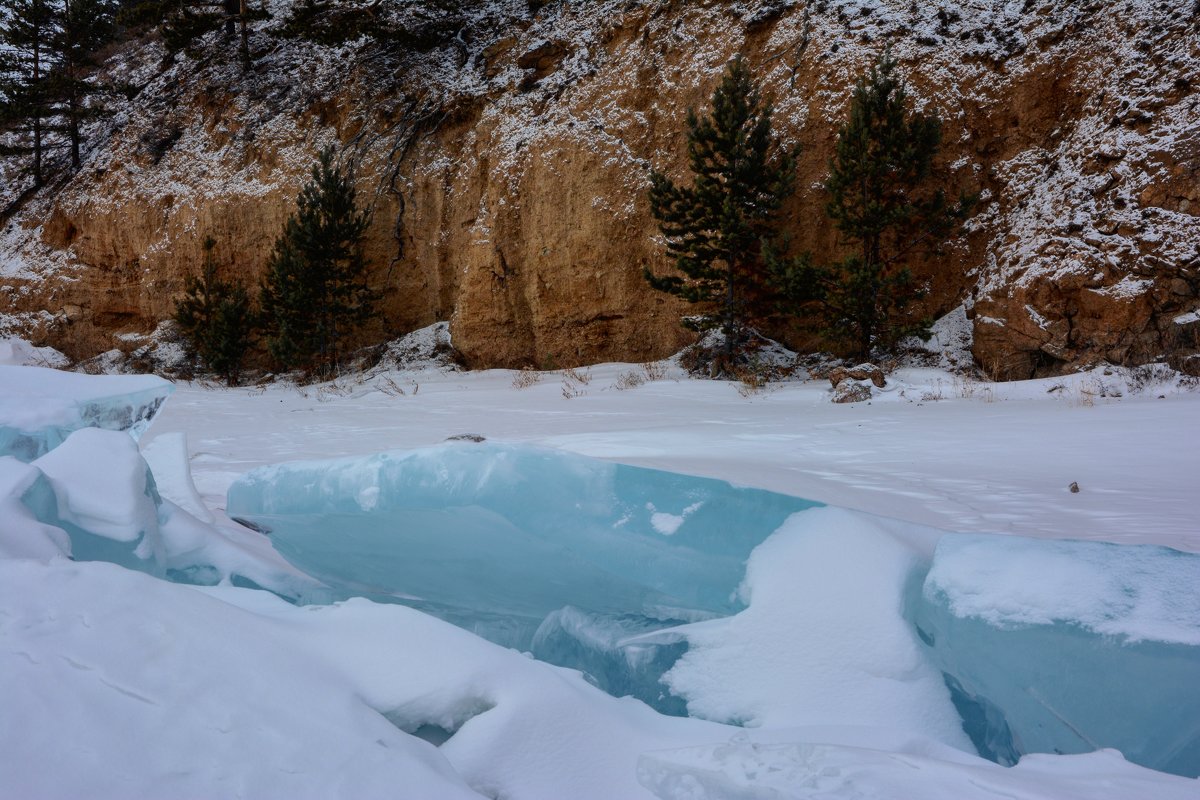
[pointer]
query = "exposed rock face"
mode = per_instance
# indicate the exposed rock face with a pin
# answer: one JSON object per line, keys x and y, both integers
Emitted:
{"x": 508, "y": 172}
{"x": 863, "y": 372}
{"x": 1103, "y": 250}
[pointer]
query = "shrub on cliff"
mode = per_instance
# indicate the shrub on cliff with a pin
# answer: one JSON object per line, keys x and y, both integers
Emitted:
{"x": 715, "y": 227}
{"x": 416, "y": 25}
{"x": 315, "y": 293}
{"x": 216, "y": 320}
{"x": 183, "y": 22}
{"x": 882, "y": 202}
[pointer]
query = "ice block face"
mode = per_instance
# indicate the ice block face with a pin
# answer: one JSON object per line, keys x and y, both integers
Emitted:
{"x": 40, "y": 408}
{"x": 94, "y": 498}
{"x": 91, "y": 498}
{"x": 497, "y": 538}
{"x": 1068, "y": 647}
{"x": 625, "y": 655}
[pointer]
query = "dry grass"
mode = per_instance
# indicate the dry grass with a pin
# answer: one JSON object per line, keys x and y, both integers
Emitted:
{"x": 630, "y": 380}
{"x": 575, "y": 375}
{"x": 752, "y": 381}
{"x": 526, "y": 377}
{"x": 654, "y": 370}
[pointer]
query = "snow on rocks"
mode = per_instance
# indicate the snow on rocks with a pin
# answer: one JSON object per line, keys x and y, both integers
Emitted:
{"x": 863, "y": 372}
{"x": 17, "y": 352}
{"x": 851, "y": 391}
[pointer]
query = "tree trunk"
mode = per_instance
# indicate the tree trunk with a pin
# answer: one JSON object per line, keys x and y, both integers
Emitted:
{"x": 73, "y": 114}
{"x": 870, "y": 323}
{"x": 37, "y": 108}
{"x": 243, "y": 12}
{"x": 729, "y": 312}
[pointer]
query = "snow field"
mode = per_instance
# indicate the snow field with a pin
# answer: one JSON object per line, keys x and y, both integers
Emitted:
{"x": 119, "y": 684}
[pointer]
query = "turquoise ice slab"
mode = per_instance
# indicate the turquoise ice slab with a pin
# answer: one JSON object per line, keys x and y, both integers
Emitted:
{"x": 498, "y": 538}
{"x": 1068, "y": 646}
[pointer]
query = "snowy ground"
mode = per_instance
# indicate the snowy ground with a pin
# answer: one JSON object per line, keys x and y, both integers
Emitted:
{"x": 116, "y": 684}
{"x": 934, "y": 448}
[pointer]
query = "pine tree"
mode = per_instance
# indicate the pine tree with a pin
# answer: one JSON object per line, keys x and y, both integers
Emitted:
{"x": 26, "y": 31}
{"x": 315, "y": 293}
{"x": 85, "y": 25}
{"x": 216, "y": 319}
{"x": 715, "y": 227}
{"x": 45, "y": 88}
{"x": 881, "y": 201}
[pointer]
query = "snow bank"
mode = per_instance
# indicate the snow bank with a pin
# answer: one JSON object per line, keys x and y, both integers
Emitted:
{"x": 824, "y": 639}
{"x": 116, "y": 685}
{"x": 16, "y": 352}
{"x": 134, "y": 687}
{"x": 745, "y": 770}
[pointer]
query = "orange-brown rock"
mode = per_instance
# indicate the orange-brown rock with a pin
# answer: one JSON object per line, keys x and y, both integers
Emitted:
{"x": 508, "y": 173}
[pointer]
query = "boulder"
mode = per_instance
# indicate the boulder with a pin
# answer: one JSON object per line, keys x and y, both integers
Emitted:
{"x": 851, "y": 391}
{"x": 863, "y": 372}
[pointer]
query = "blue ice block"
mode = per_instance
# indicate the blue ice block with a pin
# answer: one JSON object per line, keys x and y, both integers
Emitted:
{"x": 499, "y": 538}
{"x": 1068, "y": 646}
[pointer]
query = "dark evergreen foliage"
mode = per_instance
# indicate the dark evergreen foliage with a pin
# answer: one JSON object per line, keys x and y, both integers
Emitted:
{"x": 183, "y": 22}
{"x": 881, "y": 201}
{"x": 420, "y": 25}
{"x": 715, "y": 227}
{"x": 315, "y": 293}
{"x": 26, "y": 33}
{"x": 217, "y": 320}
{"x": 86, "y": 25}
{"x": 47, "y": 86}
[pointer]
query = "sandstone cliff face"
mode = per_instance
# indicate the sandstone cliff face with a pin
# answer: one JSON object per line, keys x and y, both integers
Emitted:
{"x": 508, "y": 172}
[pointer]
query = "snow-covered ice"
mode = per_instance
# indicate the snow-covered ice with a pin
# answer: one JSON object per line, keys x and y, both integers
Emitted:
{"x": 39, "y": 407}
{"x": 117, "y": 683}
{"x": 94, "y": 498}
{"x": 824, "y": 640}
{"x": 1066, "y": 647}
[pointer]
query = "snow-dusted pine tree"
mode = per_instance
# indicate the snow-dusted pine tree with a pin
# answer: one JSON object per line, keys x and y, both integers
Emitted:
{"x": 315, "y": 293}
{"x": 715, "y": 227}
{"x": 882, "y": 201}
{"x": 216, "y": 319}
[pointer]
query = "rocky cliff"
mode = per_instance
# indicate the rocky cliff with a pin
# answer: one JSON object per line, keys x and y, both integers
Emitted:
{"x": 507, "y": 169}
